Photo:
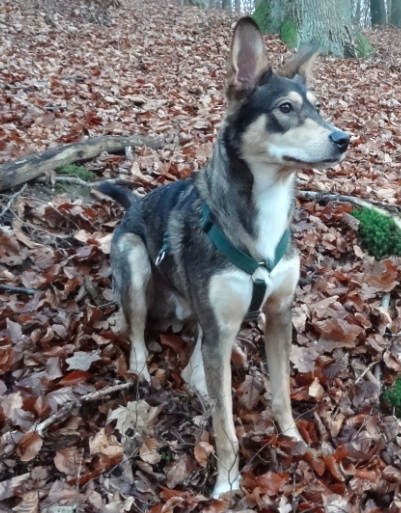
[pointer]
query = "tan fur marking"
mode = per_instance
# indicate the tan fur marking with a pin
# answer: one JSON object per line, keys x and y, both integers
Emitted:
{"x": 307, "y": 141}
{"x": 311, "y": 97}
{"x": 294, "y": 98}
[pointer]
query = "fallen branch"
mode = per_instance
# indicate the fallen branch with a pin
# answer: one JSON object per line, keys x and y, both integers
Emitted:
{"x": 113, "y": 181}
{"x": 323, "y": 196}
{"x": 27, "y": 168}
{"x": 384, "y": 209}
{"x": 67, "y": 408}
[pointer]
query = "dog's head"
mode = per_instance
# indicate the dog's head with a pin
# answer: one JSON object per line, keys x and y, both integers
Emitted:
{"x": 273, "y": 118}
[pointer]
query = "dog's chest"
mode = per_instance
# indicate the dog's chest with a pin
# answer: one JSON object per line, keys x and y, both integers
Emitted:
{"x": 273, "y": 203}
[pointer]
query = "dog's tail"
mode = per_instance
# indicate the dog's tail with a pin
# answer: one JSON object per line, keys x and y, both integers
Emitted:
{"x": 121, "y": 195}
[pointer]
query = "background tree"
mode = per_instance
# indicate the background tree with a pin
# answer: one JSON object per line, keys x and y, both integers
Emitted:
{"x": 361, "y": 16}
{"x": 378, "y": 10}
{"x": 395, "y": 13}
{"x": 328, "y": 25}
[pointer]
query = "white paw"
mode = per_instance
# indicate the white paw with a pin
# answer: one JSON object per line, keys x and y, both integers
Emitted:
{"x": 226, "y": 487}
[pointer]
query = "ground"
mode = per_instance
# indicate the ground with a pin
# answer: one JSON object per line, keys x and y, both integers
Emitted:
{"x": 159, "y": 69}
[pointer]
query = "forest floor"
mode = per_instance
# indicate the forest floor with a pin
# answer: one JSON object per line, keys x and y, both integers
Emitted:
{"x": 159, "y": 69}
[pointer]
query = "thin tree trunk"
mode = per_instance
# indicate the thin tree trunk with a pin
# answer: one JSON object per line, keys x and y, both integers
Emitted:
{"x": 378, "y": 10}
{"x": 395, "y": 15}
{"x": 226, "y": 4}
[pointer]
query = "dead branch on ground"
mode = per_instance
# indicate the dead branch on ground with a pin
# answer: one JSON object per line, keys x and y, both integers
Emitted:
{"x": 32, "y": 166}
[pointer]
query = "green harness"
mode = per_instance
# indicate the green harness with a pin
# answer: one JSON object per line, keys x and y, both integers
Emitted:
{"x": 237, "y": 257}
{"x": 244, "y": 261}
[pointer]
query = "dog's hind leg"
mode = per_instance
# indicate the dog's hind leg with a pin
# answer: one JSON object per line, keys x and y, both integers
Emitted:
{"x": 132, "y": 283}
{"x": 229, "y": 296}
{"x": 194, "y": 372}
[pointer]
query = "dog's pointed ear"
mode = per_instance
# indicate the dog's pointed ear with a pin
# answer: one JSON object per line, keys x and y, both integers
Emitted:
{"x": 300, "y": 64}
{"x": 247, "y": 58}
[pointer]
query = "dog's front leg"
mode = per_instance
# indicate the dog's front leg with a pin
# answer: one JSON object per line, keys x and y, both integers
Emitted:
{"x": 229, "y": 296}
{"x": 217, "y": 363}
{"x": 278, "y": 333}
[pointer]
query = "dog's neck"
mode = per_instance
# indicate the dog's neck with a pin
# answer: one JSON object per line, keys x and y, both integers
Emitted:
{"x": 251, "y": 201}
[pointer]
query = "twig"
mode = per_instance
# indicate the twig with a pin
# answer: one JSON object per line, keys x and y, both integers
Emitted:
{"x": 372, "y": 364}
{"x": 77, "y": 484}
{"x": 21, "y": 290}
{"x": 11, "y": 200}
{"x": 323, "y": 196}
{"x": 112, "y": 181}
{"x": 65, "y": 410}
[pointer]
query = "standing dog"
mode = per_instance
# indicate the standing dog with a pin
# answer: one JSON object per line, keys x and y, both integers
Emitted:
{"x": 207, "y": 251}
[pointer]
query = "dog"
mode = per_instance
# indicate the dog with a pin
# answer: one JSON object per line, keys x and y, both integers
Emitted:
{"x": 205, "y": 252}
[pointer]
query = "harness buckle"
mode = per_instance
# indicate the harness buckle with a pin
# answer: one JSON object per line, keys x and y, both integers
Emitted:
{"x": 260, "y": 264}
{"x": 160, "y": 258}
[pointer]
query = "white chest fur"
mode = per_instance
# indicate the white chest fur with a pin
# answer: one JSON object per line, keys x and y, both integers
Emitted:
{"x": 273, "y": 202}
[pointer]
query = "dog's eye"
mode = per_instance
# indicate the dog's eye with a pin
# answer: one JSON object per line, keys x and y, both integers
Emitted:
{"x": 318, "y": 107}
{"x": 286, "y": 108}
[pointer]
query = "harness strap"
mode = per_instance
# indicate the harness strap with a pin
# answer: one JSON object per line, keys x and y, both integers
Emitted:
{"x": 237, "y": 257}
{"x": 242, "y": 260}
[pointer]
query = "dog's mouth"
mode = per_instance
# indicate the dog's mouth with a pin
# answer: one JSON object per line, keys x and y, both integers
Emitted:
{"x": 311, "y": 164}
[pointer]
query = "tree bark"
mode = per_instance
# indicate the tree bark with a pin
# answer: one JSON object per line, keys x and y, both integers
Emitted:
{"x": 395, "y": 14}
{"x": 27, "y": 168}
{"x": 328, "y": 25}
{"x": 378, "y": 12}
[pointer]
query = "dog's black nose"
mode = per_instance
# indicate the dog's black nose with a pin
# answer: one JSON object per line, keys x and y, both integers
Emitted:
{"x": 340, "y": 139}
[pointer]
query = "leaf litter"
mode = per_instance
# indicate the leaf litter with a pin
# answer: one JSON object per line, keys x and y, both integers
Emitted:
{"x": 139, "y": 68}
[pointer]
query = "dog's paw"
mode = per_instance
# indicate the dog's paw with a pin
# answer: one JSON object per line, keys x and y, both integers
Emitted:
{"x": 226, "y": 487}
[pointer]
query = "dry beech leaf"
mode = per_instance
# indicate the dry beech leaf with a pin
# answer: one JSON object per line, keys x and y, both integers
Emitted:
{"x": 29, "y": 446}
{"x": 137, "y": 415}
{"x": 29, "y": 503}
{"x": 82, "y": 360}
{"x": 7, "y": 486}
{"x": 180, "y": 470}
{"x": 148, "y": 451}
{"x": 303, "y": 358}
{"x": 68, "y": 460}
{"x": 249, "y": 392}
{"x": 202, "y": 451}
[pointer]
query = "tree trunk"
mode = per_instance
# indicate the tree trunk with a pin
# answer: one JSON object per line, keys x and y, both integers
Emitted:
{"x": 378, "y": 10}
{"x": 226, "y": 4}
{"x": 395, "y": 14}
{"x": 327, "y": 25}
{"x": 361, "y": 16}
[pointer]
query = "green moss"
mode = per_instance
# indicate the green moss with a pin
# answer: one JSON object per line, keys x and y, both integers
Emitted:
{"x": 77, "y": 171}
{"x": 363, "y": 47}
{"x": 261, "y": 16}
{"x": 379, "y": 235}
{"x": 391, "y": 399}
{"x": 289, "y": 33}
